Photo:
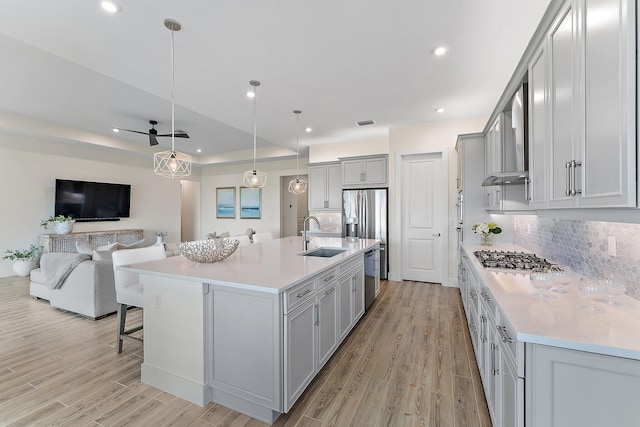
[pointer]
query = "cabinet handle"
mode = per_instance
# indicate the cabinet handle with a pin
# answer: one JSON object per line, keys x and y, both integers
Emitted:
{"x": 363, "y": 176}
{"x": 353, "y": 284}
{"x": 329, "y": 291}
{"x": 567, "y": 190}
{"x": 317, "y": 315}
{"x": 485, "y": 297}
{"x": 473, "y": 328}
{"x": 326, "y": 279}
{"x": 495, "y": 348}
{"x": 473, "y": 295}
{"x": 301, "y": 294}
{"x": 575, "y": 191}
{"x": 526, "y": 189}
{"x": 503, "y": 335}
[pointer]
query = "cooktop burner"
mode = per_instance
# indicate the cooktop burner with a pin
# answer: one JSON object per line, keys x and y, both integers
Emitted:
{"x": 510, "y": 260}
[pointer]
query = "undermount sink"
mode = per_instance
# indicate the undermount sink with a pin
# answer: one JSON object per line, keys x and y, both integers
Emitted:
{"x": 324, "y": 252}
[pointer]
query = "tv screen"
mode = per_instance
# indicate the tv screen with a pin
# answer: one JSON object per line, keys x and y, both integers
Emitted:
{"x": 92, "y": 201}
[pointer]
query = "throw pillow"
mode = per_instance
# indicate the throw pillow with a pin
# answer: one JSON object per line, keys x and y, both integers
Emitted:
{"x": 211, "y": 235}
{"x": 85, "y": 248}
{"x": 102, "y": 255}
{"x": 225, "y": 234}
{"x": 110, "y": 247}
{"x": 138, "y": 244}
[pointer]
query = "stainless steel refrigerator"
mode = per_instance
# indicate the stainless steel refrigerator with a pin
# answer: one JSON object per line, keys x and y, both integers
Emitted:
{"x": 365, "y": 213}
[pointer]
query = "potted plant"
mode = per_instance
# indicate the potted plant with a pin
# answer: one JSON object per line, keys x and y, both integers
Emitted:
{"x": 62, "y": 224}
{"x": 24, "y": 260}
{"x": 486, "y": 231}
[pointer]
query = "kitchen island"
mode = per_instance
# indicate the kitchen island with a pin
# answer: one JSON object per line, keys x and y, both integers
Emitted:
{"x": 252, "y": 331}
{"x": 550, "y": 362}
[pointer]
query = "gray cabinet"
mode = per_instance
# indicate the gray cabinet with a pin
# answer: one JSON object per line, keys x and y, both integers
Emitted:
{"x": 325, "y": 187}
{"x": 351, "y": 295}
{"x": 576, "y": 388}
{"x": 364, "y": 171}
{"x": 591, "y": 147}
{"x": 327, "y": 323}
{"x": 538, "y": 127}
{"x": 300, "y": 351}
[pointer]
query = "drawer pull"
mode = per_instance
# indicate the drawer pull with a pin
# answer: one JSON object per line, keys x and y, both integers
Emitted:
{"x": 326, "y": 279}
{"x": 503, "y": 335}
{"x": 306, "y": 292}
{"x": 327, "y": 292}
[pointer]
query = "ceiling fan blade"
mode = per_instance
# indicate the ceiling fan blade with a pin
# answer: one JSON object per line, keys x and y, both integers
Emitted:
{"x": 152, "y": 140}
{"x": 178, "y": 134}
{"x": 135, "y": 131}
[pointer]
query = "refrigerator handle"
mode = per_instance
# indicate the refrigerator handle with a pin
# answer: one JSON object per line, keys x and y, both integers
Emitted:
{"x": 362, "y": 213}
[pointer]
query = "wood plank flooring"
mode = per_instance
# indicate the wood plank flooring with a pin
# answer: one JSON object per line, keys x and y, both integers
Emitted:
{"x": 409, "y": 362}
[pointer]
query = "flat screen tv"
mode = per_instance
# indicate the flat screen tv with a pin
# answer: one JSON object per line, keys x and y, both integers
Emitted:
{"x": 92, "y": 201}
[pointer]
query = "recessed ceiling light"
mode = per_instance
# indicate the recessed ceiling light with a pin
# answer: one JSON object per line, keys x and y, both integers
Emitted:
{"x": 439, "y": 110}
{"x": 440, "y": 50}
{"x": 250, "y": 94}
{"x": 110, "y": 6}
{"x": 308, "y": 129}
{"x": 199, "y": 150}
{"x": 116, "y": 130}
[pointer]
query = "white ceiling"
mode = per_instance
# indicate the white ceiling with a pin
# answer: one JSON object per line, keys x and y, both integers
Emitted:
{"x": 339, "y": 61}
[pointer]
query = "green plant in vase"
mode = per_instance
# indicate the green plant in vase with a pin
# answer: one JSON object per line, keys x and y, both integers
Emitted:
{"x": 62, "y": 224}
{"x": 24, "y": 259}
{"x": 486, "y": 231}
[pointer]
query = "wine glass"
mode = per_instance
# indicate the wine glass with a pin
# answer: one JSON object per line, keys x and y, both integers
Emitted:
{"x": 541, "y": 279}
{"x": 613, "y": 286}
{"x": 562, "y": 276}
{"x": 588, "y": 289}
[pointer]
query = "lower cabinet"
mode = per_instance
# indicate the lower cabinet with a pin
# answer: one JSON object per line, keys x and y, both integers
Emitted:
{"x": 351, "y": 287}
{"x": 314, "y": 329}
{"x": 575, "y": 388}
{"x": 300, "y": 352}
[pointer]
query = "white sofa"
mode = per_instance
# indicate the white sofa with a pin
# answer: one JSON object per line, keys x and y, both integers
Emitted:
{"x": 88, "y": 290}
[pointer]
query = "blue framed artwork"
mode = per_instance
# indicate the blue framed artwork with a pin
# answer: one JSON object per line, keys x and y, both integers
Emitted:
{"x": 226, "y": 202}
{"x": 250, "y": 202}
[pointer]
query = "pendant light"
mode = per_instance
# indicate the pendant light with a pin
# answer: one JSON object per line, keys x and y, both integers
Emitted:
{"x": 297, "y": 186}
{"x": 254, "y": 178}
{"x": 172, "y": 164}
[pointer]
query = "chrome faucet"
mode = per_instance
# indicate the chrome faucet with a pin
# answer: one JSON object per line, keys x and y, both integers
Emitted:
{"x": 304, "y": 231}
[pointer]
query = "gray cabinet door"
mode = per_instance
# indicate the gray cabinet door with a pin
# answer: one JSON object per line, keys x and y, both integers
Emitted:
{"x": 538, "y": 129}
{"x": 300, "y": 352}
{"x": 327, "y": 323}
{"x": 562, "y": 99}
{"x": 345, "y": 297}
{"x": 609, "y": 142}
{"x": 358, "y": 295}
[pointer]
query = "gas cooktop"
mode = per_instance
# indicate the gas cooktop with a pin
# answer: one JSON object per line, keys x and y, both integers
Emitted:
{"x": 510, "y": 260}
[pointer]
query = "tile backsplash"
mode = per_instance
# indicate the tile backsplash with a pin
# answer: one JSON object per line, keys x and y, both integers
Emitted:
{"x": 583, "y": 245}
{"x": 329, "y": 221}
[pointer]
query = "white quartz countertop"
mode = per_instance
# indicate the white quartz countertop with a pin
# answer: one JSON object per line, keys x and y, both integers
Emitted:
{"x": 561, "y": 321}
{"x": 270, "y": 266}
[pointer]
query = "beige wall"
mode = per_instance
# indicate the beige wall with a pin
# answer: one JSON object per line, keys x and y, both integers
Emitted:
{"x": 427, "y": 137}
{"x": 27, "y": 187}
{"x": 231, "y": 176}
{"x": 332, "y": 152}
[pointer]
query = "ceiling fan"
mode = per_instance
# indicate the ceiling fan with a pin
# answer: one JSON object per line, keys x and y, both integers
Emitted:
{"x": 153, "y": 133}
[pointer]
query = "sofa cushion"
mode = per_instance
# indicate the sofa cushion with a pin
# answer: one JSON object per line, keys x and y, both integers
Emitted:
{"x": 87, "y": 248}
{"x": 134, "y": 245}
{"x": 38, "y": 276}
{"x": 102, "y": 255}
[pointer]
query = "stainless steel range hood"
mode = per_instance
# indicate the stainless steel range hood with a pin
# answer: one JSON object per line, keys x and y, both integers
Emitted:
{"x": 515, "y": 150}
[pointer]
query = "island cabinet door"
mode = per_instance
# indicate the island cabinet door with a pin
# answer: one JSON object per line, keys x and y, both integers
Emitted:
{"x": 327, "y": 323}
{"x": 300, "y": 355}
{"x": 344, "y": 313}
{"x": 358, "y": 295}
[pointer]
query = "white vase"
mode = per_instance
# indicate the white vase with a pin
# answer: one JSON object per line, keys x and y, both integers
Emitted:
{"x": 63, "y": 227}
{"x": 159, "y": 240}
{"x": 22, "y": 267}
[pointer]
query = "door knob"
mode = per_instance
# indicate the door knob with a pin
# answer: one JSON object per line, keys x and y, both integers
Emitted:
{"x": 436, "y": 235}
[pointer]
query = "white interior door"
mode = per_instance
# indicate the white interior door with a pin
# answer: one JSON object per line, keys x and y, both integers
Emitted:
{"x": 424, "y": 202}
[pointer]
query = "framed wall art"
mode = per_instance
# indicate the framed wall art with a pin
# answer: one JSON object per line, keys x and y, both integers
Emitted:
{"x": 250, "y": 202}
{"x": 226, "y": 202}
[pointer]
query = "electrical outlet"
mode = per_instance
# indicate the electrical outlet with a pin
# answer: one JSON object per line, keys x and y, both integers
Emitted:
{"x": 611, "y": 240}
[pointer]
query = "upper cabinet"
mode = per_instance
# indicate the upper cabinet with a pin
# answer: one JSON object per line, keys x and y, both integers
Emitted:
{"x": 364, "y": 171}
{"x": 325, "y": 187}
{"x": 582, "y": 108}
{"x": 493, "y": 147}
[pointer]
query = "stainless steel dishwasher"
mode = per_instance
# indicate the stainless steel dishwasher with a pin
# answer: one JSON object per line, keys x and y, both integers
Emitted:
{"x": 371, "y": 275}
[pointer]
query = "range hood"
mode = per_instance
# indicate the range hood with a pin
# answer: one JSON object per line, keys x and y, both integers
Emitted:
{"x": 515, "y": 148}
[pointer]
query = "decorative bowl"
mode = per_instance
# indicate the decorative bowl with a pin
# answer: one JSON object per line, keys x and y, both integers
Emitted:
{"x": 209, "y": 250}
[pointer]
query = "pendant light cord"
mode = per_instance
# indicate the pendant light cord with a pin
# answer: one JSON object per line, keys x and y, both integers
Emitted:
{"x": 254, "y": 128}
{"x": 297, "y": 144}
{"x": 173, "y": 77}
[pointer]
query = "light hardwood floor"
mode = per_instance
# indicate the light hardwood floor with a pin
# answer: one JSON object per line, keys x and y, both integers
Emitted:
{"x": 409, "y": 362}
